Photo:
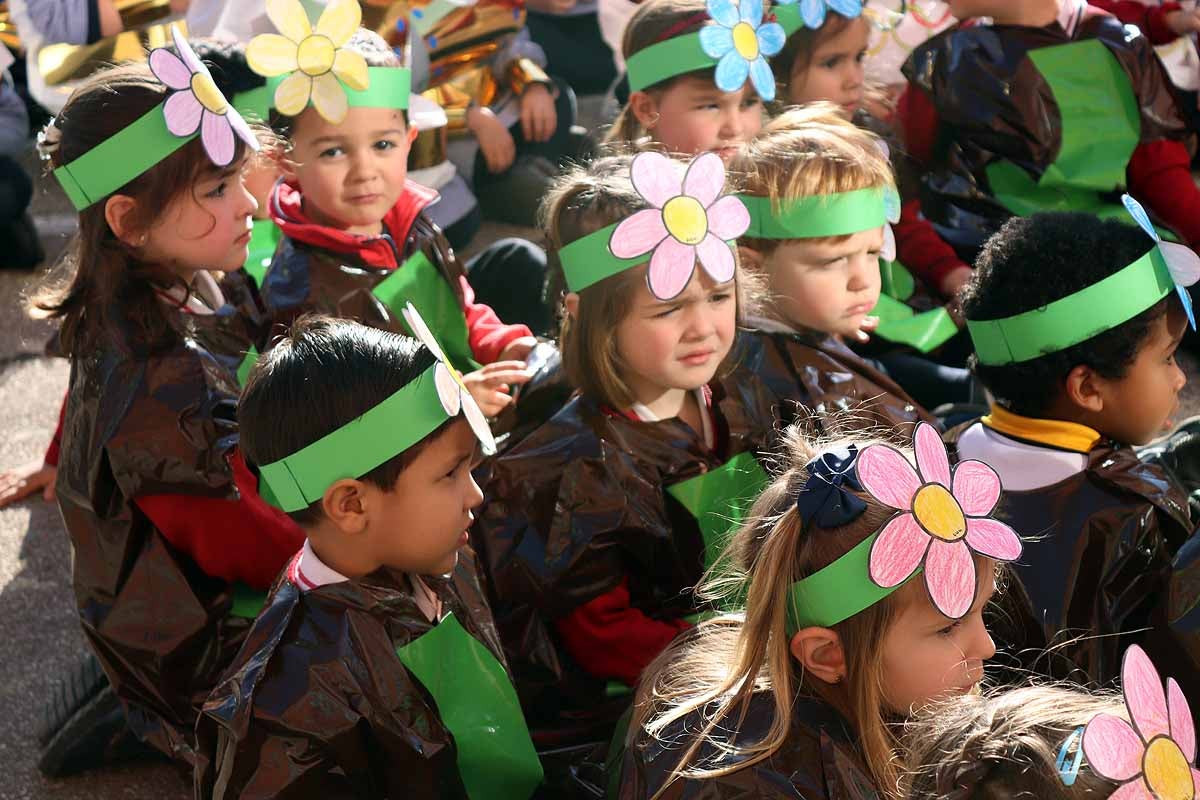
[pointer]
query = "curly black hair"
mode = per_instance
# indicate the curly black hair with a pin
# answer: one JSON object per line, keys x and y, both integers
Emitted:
{"x": 1033, "y": 261}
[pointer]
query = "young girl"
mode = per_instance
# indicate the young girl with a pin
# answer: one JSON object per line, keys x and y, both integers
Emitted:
{"x": 676, "y": 101}
{"x": 798, "y": 692}
{"x": 170, "y": 537}
{"x": 598, "y": 523}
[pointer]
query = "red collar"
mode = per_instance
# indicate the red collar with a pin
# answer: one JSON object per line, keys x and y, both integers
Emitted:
{"x": 287, "y": 211}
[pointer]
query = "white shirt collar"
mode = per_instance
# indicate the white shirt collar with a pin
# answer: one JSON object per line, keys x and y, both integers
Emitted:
{"x": 703, "y": 399}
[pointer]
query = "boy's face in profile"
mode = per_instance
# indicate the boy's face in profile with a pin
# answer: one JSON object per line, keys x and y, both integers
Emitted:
{"x": 352, "y": 173}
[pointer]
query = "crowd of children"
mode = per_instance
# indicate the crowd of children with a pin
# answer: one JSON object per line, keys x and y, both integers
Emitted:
{"x": 827, "y": 449}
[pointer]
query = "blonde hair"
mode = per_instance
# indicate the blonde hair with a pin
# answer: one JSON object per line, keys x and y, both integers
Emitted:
{"x": 582, "y": 202}
{"x": 715, "y": 671}
{"x": 1002, "y": 745}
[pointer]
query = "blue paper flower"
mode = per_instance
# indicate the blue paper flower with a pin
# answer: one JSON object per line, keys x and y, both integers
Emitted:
{"x": 813, "y": 11}
{"x": 742, "y": 42}
{"x": 1182, "y": 262}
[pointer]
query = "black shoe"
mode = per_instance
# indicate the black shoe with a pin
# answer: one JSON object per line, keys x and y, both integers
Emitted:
{"x": 20, "y": 246}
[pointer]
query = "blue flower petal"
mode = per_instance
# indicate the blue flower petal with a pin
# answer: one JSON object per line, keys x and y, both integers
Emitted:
{"x": 732, "y": 71}
{"x": 891, "y": 205}
{"x": 725, "y": 12}
{"x": 1140, "y": 216}
{"x": 716, "y": 40}
{"x": 771, "y": 38}
{"x": 751, "y": 11}
{"x": 762, "y": 78}
{"x": 786, "y": 2}
{"x": 847, "y": 8}
{"x": 1186, "y": 299}
{"x": 813, "y": 13}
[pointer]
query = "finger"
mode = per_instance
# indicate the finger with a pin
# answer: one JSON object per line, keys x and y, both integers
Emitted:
{"x": 550, "y": 123}
{"x": 497, "y": 366}
{"x": 507, "y": 376}
{"x": 528, "y": 122}
{"x": 16, "y": 493}
{"x": 862, "y": 336}
{"x": 50, "y": 493}
{"x": 870, "y": 323}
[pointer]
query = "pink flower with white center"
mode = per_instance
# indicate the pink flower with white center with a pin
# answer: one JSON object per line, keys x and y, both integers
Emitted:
{"x": 943, "y": 519}
{"x": 1153, "y": 758}
{"x": 689, "y": 221}
{"x": 197, "y": 104}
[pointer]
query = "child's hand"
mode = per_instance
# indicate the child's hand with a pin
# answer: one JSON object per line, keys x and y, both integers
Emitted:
{"x": 17, "y": 484}
{"x": 495, "y": 142}
{"x": 868, "y": 326}
{"x": 518, "y": 349}
{"x": 538, "y": 115}
{"x": 490, "y": 385}
{"x": 1183, "y": 23}
{"x": 955, "y": 279}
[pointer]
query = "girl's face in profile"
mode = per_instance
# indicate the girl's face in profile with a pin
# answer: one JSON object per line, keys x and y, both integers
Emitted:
{"x": 836, "y": 72}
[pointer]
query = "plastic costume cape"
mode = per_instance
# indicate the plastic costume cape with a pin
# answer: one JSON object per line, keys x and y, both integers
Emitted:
{"x": 367, "y": 727}
{"x": 143, "y": 426}
{"x": 592, "y": 498}
{"x": 1097, "y": 562}
{"x": 1020, "y": 128}
{"x": 817, "y": 761}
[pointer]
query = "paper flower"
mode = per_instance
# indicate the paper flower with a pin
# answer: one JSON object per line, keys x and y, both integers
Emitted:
{"x": 689, "y": 221}
{"x": 1182, "y": 261}
{"x": 195, "y": 102}
{"x": 317, "y": 60}
{"x": 891, "y": 207}
{"x": 943, "y": 519}
{"x": 813, "y": 11}
{"x": 450, "y": 387}
{"x": 1153, "y": 758}
{"x": 742, "y": 42}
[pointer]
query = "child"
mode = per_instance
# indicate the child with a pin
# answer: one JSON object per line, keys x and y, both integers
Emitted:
{"x": 1075, "y": 323}
{"x": 675, "y": 98}
{"x": 600, "y": 521}
{"x": 1053, "y": 106}
{"x": 821, "y": 288}
{"x": 795, "y": 696}
{"x": 170, "y": 537}
{"x": 374, "y": 671}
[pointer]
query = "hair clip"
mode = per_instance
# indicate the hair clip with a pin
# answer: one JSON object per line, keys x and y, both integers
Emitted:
{"x": 1073, "y": 751}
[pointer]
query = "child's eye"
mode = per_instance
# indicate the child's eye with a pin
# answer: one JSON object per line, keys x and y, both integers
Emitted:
{"x": 861, "y": 57}
{"x": 752, "y": 102}
{"x": 219, "y": 191}
{"x": 832, "y": 62}
{"x": 384, "y": 144}
{"x": 949, "y": 629}
{"x": 666, "y": 313}
{"x": 720, "y": 297}
{"x": 331, "y": 152}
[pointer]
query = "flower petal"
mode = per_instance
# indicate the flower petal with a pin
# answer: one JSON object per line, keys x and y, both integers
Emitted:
{"x": 992, "y": 538}
{"x": 671, "y": 268}
{"x": 976, "y": 488}
{"x": 950, "y": 577}
{"x": 190, "y": 59}
{"x": 339, "y": 21}
{"x": 656, "y": 178}
{"x": 638, "y": 234}
{"x": 762, "y": 79}
{"x": 847, "y": 8}
{"x": 705, "y": 178}
{"x": 724, "y": 12}
{"x": 351, "y": 69}
{"x": 1112, "y": 748}
{"x": 170, "y": 69}
{"x": 751, "y": 11}
{"x": 329, "y": 98}
{"x": 813, "y": 13}
{"x": 182, "y": 112}
{"x": 887, "y": 475}
{"x": 449, "y": 392}
{"x": 932, "y": 462}
{"x": 716, "y": 40}
{"x": 270, "y": 54}
{"x": 728, "y": 218}
{"x": 289, "y": 19}
{"x": 1134, "y": 790}
{"x": 293, "y": 94}
{"x": 1183, "y": 728}
{"x": 716, "y": 256}
{"x": 1144, "y": 695}
{"x": 479, "y": 424}
{"x": 897, "y": 551}
{"x": 888, "y": 250}
{"x": 217, "y": 137}
{"x": 732, "y": 71}
{"x": 242, "y": 130}
{"x": 771, "y": 38}
{"x": 416, "y": 324}
{"x": 1140, "y": 216}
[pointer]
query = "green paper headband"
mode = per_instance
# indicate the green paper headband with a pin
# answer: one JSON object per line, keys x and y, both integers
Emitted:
{"x": 677, "y": 56}
{"x": 816, "y": 217}
{"x": 359, "y": 446}
{"x": 1075, "y": 318}
{"x": 837, "y": 592}
{"x": 389, "y": 87}
{"x": 588, "y": 260}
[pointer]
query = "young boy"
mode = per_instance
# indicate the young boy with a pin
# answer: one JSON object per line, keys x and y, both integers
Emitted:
{"x": 374, "y": 670}
{"x": 1077, "y": 384}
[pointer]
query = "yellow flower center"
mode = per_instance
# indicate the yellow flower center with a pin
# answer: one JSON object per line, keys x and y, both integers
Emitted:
{"x": 315, "y": 55}
{"x": 685, "y": 219}
{"x": 939, "y": 513}
{"x": 1167, "y": 772}
{"x": 208, "y": 94}
{"x": 745, "y": 41}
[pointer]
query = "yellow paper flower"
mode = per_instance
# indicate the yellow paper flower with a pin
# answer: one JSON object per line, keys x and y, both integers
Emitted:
{"x": 320, "y": 67}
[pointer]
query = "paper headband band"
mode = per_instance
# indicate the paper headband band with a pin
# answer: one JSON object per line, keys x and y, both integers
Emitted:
{"x": 818, "y": 216}
{"x": 380, "y": 434}
{"x": 314, "y": 66}
{"x": 1094, "y": 309}
{"x": 737, "y": 44}
{"x": 194, "y": 106}
{"x": 388, "y": 87}
{"x": 688, "y": 221}
{"x": 796, "y": 14}
{"x": 942, "y": 519}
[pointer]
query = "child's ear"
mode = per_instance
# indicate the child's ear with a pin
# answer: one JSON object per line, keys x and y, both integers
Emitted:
{"x": 819, "y": 651}
{"x": 345, "y": 505}
{"x": 571, "y": 304}
{"x": 1085, "y": 389}
{"x": 117, "y": 211}
{"x": 645, "y": 108}
{"x": 412, "y": 134}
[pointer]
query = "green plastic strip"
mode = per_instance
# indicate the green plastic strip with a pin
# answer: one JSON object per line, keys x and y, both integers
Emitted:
{"x": 788, "y": 17}
{"x": 656, "y": 63}
{"x": 119, "y": 159}
{"x": 387, "y": 87}
{"x": 264, "y": 240}
{"x": 418, "y": 281}
{"x": 255, "y": 103}
{"x": 247, "y": 602}
{"x": 357, "y": 447}
{"x": 587, "y": 261}
{"x": 720, "y": 499}
{"x": 897, "y": 281}
{"x": 477, "y": 704}
{"x": 1075, "y": 318}
{"x": 817, "y": 216}
{"x": 925, "y": 331}
{"x": 247, "y": 364}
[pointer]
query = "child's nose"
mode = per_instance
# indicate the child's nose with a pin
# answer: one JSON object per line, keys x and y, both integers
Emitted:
{"x": 474, "y": 494}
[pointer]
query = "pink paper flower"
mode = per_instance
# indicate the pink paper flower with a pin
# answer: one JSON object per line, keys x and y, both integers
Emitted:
{"x": 197, "y": 103}
{"x": 1153, "y": 758}
{"x": 689, "y": 221}
{"x": 944, "y": 517}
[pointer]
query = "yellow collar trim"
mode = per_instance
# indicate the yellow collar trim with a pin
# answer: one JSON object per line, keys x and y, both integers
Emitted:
{"x": 1051, "y": 432}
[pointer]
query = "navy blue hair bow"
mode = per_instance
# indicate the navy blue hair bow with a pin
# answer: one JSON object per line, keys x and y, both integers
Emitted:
{"x": 825, "y": 499}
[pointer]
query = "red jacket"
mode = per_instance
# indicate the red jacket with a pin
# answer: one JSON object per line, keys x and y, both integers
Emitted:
{"x": 1151, "y": 19}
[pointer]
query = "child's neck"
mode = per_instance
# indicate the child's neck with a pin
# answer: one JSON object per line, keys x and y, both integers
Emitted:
{"x": 339, "y": 559}
{"x": 1065, "y": 411}
{"x": 369, "y": 229}
{"x": 666, "y": 405}
{"x": 1029, "y": 13}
